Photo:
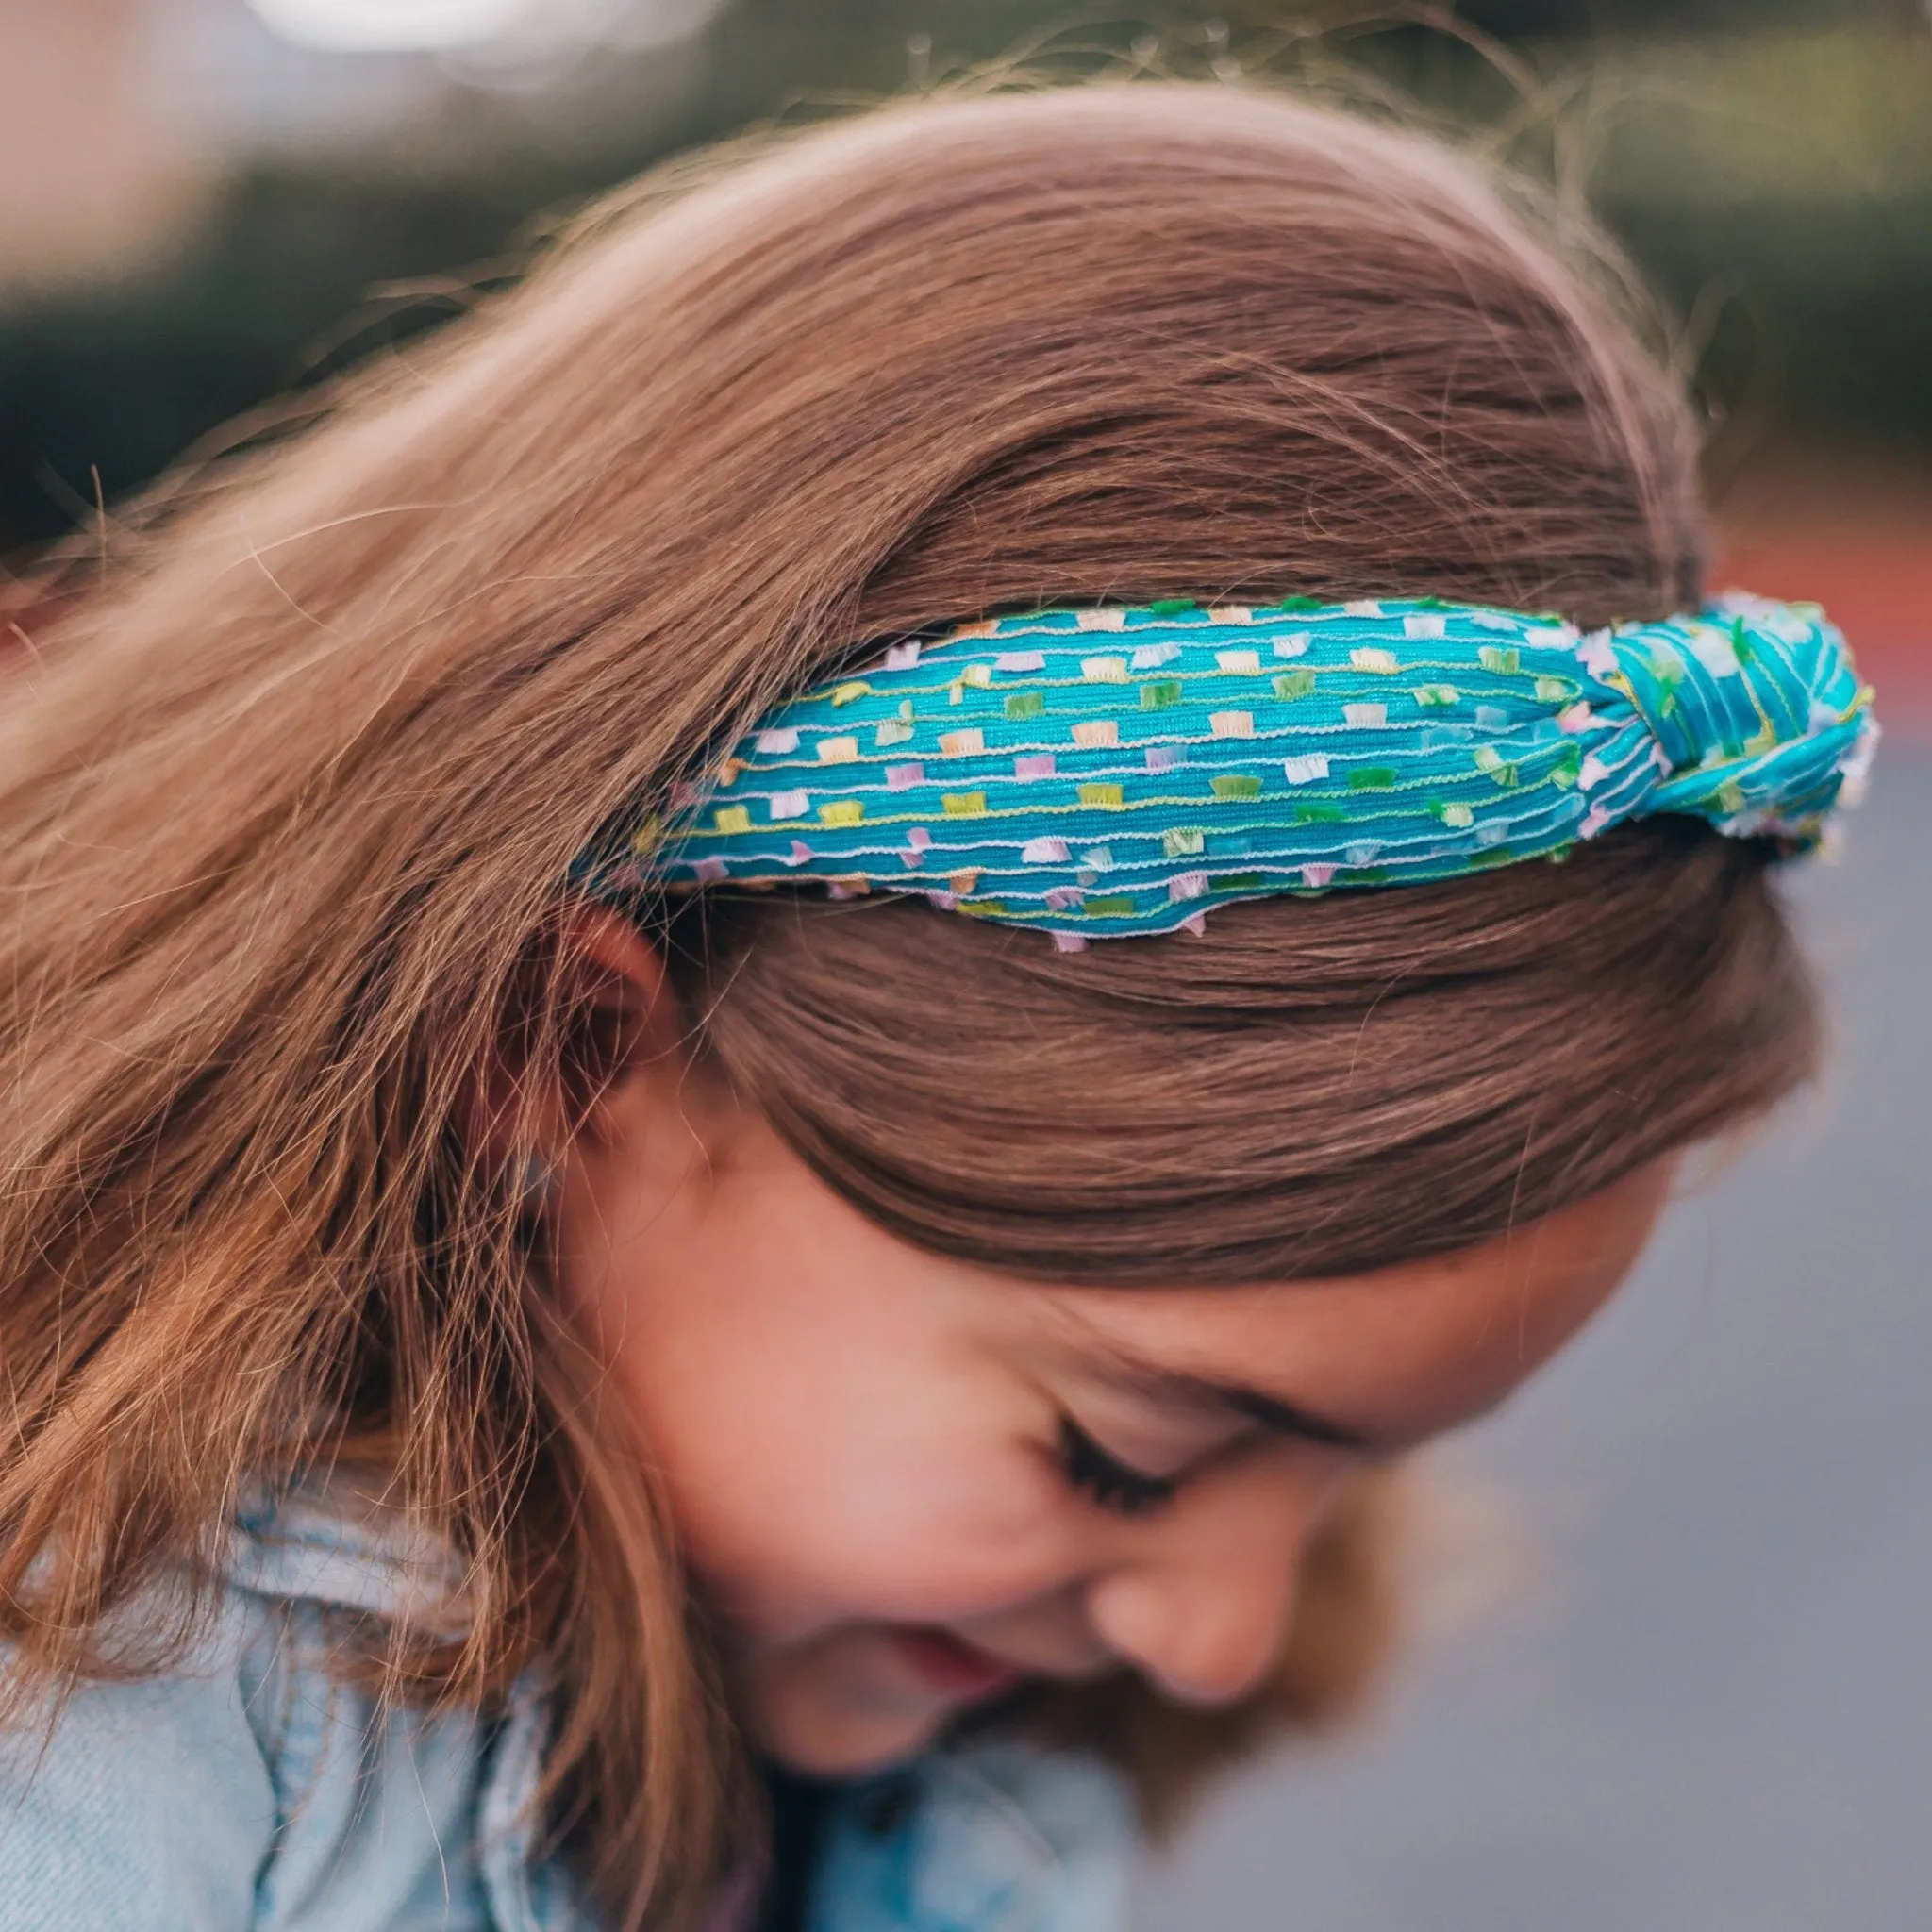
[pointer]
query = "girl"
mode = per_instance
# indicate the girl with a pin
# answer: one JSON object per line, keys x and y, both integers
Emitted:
{"x": 524, "y": 1310}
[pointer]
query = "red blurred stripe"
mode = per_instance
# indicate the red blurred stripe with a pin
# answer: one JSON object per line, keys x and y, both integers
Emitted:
{"x": 1876, "y": 587}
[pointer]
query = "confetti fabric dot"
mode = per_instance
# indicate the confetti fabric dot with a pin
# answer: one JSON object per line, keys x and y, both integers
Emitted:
{"x": 1014, "y": 770}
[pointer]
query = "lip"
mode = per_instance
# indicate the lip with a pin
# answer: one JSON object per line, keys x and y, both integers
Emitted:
{"x": 952, "y": 1665}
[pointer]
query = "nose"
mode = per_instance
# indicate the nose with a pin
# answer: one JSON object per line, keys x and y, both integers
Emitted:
{"x": 1201, "y": 1601}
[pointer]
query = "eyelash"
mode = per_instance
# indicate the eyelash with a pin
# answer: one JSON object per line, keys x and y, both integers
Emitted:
{"x": 1107, "y": 1480}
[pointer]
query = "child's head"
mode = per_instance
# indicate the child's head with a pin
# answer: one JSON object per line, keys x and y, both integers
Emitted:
{"x": 840, "y": 1248}
{"x": 876, "y": 1450}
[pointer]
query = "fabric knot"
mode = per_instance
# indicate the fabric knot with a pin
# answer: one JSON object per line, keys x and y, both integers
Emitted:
{"x": 1757, "y": 714}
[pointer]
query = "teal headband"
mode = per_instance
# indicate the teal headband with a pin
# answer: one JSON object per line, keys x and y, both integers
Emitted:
{"x": 1106, "y": 771}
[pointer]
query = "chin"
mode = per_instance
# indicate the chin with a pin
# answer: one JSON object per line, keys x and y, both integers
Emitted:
{"x": 830, "y": 1744}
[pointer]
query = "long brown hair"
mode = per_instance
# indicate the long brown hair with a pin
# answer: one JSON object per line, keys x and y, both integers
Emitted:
{"x": 282, "y": 815}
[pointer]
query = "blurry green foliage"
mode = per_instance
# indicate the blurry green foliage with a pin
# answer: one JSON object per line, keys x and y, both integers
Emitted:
{"x": 104, "y": 386}
{"x": 1778, "y": 186}
{"x": 1679, "y": 16}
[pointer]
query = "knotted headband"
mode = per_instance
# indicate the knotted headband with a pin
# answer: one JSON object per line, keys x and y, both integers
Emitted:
{"x": 1104, "y": 772}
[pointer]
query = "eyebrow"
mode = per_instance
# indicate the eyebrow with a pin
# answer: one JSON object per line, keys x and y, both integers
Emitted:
{"x": 1271, "y": 1412}
{"x": 1289, "y": 1418}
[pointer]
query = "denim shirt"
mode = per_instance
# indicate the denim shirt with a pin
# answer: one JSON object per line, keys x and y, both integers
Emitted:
{"x": 248, "y": 1789}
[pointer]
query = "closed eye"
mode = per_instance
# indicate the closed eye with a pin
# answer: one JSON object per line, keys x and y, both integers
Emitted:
{"x": 1106, "y": 1479}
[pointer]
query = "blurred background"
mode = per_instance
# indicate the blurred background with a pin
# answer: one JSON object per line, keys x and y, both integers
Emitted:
{"x": 1702, "y": 1700}
{"x": 209, "y": 201}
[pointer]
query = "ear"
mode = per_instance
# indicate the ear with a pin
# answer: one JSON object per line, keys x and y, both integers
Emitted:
{"x": 592, "y": 1004}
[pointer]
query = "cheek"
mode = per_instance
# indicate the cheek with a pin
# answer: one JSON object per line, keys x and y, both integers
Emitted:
{"x": 817, "y": 1518}
{"x": 833, "y": 1446}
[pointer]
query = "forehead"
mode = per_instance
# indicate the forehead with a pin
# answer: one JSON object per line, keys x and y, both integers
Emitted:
{"x": 1394, "y": 1355}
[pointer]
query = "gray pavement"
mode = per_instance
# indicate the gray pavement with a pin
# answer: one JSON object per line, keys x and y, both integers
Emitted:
{"x": 1710, "y": 1709}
